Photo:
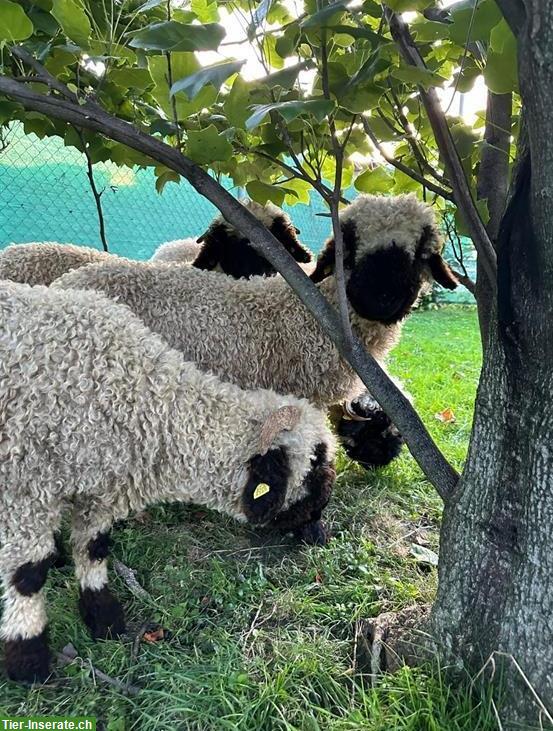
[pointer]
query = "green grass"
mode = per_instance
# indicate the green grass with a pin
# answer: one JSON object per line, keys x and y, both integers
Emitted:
{"x": 262, "y": 630}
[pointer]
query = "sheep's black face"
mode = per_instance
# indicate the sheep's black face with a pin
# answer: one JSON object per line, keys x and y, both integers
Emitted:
{"x": 373, "y": 442}
{"x": 265, "y": 490}
{"x": 303, "y": 518}
{"x": 229, "y": 251}
{"x": 385, "y": 284}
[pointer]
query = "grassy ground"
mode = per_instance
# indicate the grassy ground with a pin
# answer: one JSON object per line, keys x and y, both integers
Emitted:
{"x": 263, "y": 631}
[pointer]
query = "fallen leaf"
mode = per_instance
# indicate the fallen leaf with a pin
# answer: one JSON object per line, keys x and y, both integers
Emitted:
{"x": 318, "y": 578}
{"x": 446, "y": 416}
{"x": 154, "y": 635}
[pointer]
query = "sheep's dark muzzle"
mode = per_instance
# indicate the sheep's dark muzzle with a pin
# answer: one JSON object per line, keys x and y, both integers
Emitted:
{"x": 304, "y": 517}
{"x": 384, "y": 285}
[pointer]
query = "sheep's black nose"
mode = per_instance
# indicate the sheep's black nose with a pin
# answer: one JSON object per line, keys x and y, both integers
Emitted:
{"x": 314, "y": 533}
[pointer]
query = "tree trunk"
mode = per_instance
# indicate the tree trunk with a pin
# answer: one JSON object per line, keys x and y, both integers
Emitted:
{"x": 493, "y": 183}
{"x": 496, "y": 564}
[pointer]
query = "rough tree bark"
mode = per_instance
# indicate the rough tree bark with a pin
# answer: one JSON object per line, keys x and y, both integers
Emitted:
{"x": 496, "y": 562}
{"x": 493, "y": 183}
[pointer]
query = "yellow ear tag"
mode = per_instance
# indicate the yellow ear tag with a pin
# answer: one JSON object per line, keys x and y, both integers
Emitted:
{"x": 260, "y": 490}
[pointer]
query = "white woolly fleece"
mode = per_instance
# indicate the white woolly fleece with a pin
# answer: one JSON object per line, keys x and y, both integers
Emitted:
{"x": 381, "y": 219}
{"x": 41, "y": 263}
{"x": 183, "y": 251}
{"x": 255, "y": 333}
{"x": 98, "y": 411}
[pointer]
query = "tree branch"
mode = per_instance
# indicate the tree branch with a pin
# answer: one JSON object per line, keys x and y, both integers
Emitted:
{"x": 97, "y": 195}
{"x": 447, "y": 194}
{"x": 89, "y": 116}
{"x": 334, "y": 202}
{"x": 454, "y": 169}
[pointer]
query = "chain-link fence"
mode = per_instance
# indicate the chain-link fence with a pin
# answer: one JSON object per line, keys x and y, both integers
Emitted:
{"x": 45, "y": 195}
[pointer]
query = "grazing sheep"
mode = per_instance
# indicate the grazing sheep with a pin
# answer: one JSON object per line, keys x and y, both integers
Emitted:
{"x": 257, "y": 333}
{"x": 98, "y": 416}
{"x": 41, "y": 263}
{"x": 181, "y": 251}
{"x": 224, "y": 249}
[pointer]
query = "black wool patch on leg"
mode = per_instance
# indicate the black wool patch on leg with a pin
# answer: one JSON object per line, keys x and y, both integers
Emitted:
{"x": 102, "y": 613}
{"x": 98, "y": 548}
{"x": 30, "y": 577}
{"x": 27, "y": 660}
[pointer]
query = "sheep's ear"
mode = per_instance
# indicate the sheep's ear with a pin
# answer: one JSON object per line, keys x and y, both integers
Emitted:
{"x": 265, "y": 490}
{"x": 209, "y": 254}
{"x": 441, "y": 272}
{"x": 286, "y": 233}
{"x": 283, "y": 419}
{"x": 325, "y": 262}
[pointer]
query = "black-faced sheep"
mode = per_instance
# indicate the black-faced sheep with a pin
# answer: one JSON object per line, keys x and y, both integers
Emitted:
{"x": 41, "y": 263}
{"x": 98, "y": 416}
{"x": 256, "y": 333}
{"x": 224, "y": 249}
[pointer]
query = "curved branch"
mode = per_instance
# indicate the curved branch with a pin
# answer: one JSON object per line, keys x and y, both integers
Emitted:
{"x": 434, "y": 187}
{"x": 454, "y": 169}
{"x": 90, "y": 116}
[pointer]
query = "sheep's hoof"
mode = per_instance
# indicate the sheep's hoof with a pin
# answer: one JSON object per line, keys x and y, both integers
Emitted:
{"x": 313, "y": 534}
{"x": 102, "y": 613}
{"x": 27, "y": 661}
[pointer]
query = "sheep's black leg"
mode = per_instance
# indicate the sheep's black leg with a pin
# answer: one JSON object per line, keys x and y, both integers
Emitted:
{"x": 100, "y": 610}
{"x": 24, "y": 621}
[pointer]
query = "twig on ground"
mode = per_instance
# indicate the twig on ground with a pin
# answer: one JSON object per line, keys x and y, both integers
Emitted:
{"x": 129, "y": 577}
{"x": 69, "y": 654}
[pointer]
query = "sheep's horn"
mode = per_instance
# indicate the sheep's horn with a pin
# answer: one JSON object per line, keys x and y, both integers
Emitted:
{"x": 285, "y": 418}
{"x": 350, "y": 415}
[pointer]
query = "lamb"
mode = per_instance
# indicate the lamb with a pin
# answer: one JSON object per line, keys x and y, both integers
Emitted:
{"x": 224, "y": 249}
{"x": 41, "y": 263}
{"x": 257, "y": 334}
{"x": 99, "y": 416}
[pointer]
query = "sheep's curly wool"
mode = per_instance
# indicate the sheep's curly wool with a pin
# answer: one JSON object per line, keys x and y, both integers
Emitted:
{"x": 256, "y": 333}
{"x": 183, "y": 251}
{"x": 99, "y": 416}
{"x": 41, "y": 263}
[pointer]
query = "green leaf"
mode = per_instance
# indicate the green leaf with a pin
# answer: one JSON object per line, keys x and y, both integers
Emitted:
{"x": 262, "y": 192}
{"x": 426, "y": 31}
{"x": 164, "y": 176}
{"x": 131, "y": 78}
{"x": 258, "y": 17}
{"x": 486, "y": 16}
{"x": 270, "y": 53}
{"x": 238, "y": 102}
{"x": 14, "y": 24}
{"x": 300, "y": 192}
{"x": 73, "y": 20}
{"x": 214, "y": 75}
{"x": 325, "y": 17}
{"x": 317, "y": 108}
{"x": 205, "y": 11}
{"x": 501, "y": 71}
{"x": 415, "y": 75}
{"x": 374, "y": 181}
{"x": 173, "y": 36}
{"x": 182, "y": 64}
{"x": 207, "y": 145}
{"x": 8, "y": 110}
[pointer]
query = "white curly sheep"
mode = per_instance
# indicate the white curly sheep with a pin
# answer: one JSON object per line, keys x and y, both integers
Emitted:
{"x": 99, "y": 417}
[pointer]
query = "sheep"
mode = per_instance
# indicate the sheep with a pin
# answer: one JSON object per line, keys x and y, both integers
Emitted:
{"x": 99, "y": 416}
{"x": 224, "y": 249}
{"x": 182, "y": 251}
{"x": 41, "y": 263}
{"x": 256, "y": 333}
